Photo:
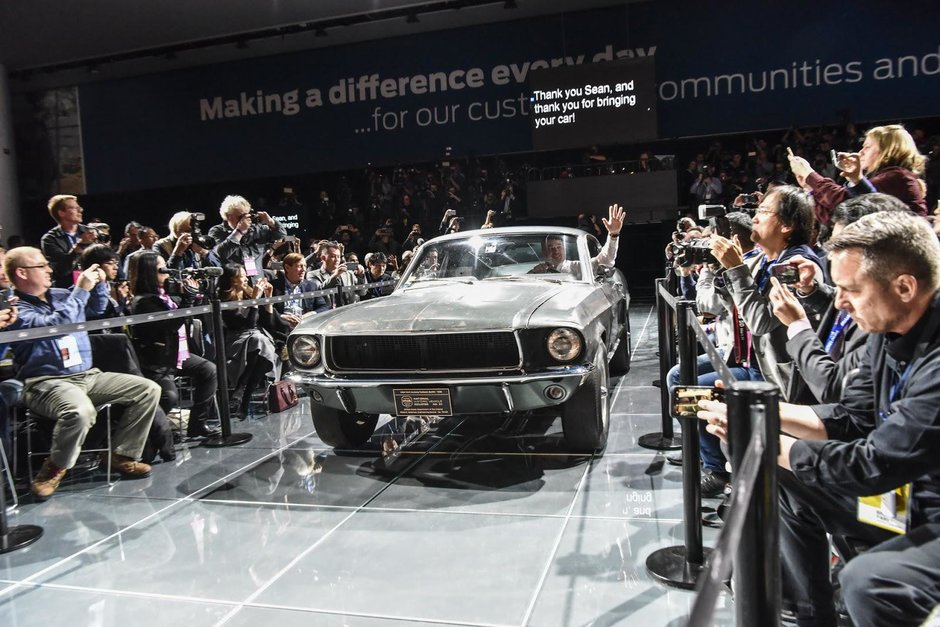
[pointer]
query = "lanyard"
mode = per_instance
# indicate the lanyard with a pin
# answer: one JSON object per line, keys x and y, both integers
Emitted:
{"x": 842, "y": 320}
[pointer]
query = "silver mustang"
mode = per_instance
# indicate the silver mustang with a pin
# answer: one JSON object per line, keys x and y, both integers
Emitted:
{"x": 481, "y": 322}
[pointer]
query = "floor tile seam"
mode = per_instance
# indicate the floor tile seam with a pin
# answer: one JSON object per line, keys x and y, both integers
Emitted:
{"x": 93, "y": 545}
{"x": 374, "y": 509}
{"x": 639, "y": 339}
{"x": 187, "y": 499}
{"x": 261, "y": 589}
{"x": 540, "y": 584}
{"x": 120, "y": 593}
{"x": 410, "y": 619}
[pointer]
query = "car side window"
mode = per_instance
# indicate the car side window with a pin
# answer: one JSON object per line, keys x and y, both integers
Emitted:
{"x": 594, "y": 249}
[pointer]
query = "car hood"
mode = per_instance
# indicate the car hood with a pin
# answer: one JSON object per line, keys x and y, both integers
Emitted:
{"x": 450, "y": 307}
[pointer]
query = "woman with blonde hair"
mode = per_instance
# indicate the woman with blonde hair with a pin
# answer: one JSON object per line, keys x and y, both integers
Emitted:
{"x": 888, "y": 162}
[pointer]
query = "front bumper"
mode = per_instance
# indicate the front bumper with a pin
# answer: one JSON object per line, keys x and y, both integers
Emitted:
{"x": 468, "y": 395}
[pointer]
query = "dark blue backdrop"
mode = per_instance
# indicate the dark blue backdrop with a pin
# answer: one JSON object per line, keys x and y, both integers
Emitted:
{"x": 148, "y": 131}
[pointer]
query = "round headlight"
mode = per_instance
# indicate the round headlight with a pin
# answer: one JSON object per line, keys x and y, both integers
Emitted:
{"x": 564, "y": 345}
{"x": 305, "y": 351}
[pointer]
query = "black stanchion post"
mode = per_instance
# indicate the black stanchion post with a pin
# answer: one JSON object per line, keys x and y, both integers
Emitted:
{"x": 13, "y": 538}
{"x": 757, "y": 562}
{"x": 664, "y": 440}
{"x": 680, "y": 566}
{"x": 227, "y": 438}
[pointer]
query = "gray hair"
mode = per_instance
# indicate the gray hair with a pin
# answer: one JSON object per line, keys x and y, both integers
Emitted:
{"x": 892, "y": 243}
{"x": 230, "y": 204}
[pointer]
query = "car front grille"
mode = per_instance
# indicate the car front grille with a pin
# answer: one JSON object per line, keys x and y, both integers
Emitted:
{"x": 444, "y": 352}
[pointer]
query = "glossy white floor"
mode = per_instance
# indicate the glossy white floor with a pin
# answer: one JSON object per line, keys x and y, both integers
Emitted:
{"x": 478, "y": 523}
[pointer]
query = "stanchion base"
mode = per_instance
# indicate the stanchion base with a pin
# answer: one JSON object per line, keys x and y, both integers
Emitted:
{"x": 675, "y": 460}
{"x": 232, "y": 439}
{"x": 657, "y": 442}
{"x": 669, "y": 567}
{"x": 19, "y": 536}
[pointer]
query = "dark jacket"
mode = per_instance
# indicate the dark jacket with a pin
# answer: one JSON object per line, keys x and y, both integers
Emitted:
{"x": 252, "y": 244}
{"x": 55, "y": 245}
{"x": 876, "y": 444}
{"x": 313, "y": 303}
{"x": 157, "y": 343}
{"x": 821, "y": 376}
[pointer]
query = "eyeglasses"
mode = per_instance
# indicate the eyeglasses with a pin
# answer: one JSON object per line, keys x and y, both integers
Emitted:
{"x": 765, "y": 212}
{"x": 44, "y": 265}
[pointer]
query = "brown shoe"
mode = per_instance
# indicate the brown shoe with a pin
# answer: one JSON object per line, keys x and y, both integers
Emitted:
{"x": 128, "y": 467}
{"x": 46, "y": 482}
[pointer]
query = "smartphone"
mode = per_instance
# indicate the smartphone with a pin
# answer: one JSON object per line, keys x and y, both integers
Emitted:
{"x": 685, "y": 398}
{"x": 786, "y": 274}
{"x": 352, "y": 266}
{"x": 835, "y": 158}
{"x": 4, "y": 301}
{"x": 277, "y": 265}
{"x": 290, "y": 238}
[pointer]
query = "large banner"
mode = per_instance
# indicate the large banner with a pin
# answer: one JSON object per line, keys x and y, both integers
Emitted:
{"x": 726, "y": 67}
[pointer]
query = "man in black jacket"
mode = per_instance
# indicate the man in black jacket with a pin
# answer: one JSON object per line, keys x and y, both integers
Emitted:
{"x": 867, "y": 467}
{"x": 63, "y": 244}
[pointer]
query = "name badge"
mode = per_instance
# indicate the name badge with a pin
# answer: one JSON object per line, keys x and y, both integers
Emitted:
{"x": 250, "y": 268}
{"x": 890, "y": 510}
{"x": 68, "y": 351}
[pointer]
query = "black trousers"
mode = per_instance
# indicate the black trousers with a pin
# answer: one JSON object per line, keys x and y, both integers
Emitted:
{"x": 205, "y": 382}
{"x": 897, "y": 582}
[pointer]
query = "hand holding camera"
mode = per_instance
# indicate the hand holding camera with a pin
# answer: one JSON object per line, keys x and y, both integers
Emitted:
{"x": 727, "y": 251}
{"x": 182, "y": 244}
{"x": 88, "y": 279}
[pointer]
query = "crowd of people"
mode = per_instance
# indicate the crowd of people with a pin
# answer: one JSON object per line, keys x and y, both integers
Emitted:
{"x": 78, "y": 274}
{"x": 830, "y": 290}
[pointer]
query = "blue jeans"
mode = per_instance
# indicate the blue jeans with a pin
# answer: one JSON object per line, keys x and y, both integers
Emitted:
{"x": 713, "y": 459}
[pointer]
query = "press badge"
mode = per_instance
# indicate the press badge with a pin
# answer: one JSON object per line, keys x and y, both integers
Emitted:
{"x": 888, "y": 511}
{"x": 68, "y": 351}
{"x": 250, "y": 268}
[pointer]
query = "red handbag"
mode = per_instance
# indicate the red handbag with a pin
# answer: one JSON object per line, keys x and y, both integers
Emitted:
{"x": 282, "y": 395}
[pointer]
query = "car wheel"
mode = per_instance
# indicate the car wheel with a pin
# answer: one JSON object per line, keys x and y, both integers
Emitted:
{"x": 620, "y": 362}
{"x": 341, "y": 429}
{"x": 585, "y": 418}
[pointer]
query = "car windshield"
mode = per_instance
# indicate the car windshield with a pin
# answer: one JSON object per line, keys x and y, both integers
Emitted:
{"x": 498, "y": 256}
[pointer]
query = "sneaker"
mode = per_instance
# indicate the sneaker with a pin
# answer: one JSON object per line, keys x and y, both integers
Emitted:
{"x": 713, "y": 485}
{"x": 46, "y": 482}
{"x": 128, "y": 467}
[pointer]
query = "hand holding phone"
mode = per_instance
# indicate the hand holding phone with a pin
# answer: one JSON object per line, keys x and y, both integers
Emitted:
{"x": 785, "y": 273}
{"x": 352, "y": 266}
{"x": 685, "y": 399}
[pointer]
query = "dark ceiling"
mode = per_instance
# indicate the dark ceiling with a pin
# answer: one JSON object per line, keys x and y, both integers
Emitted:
{"x": 46, "y": 43}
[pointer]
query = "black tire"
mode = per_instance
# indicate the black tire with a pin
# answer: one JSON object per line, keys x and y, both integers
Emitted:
{"x": 585, "y": 418}
{"x": 620, "y": 362}
{"x": 341, "y": 429}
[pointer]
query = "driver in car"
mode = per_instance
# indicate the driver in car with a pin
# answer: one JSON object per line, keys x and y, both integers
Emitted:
{"x": 553, "y": 248}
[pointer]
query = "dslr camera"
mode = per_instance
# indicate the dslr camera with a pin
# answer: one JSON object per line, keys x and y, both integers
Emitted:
{"x": 196, "y": 222}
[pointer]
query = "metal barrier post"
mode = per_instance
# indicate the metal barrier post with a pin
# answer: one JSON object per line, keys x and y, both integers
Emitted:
{"x": 756, "y": 576}
{"x": 666, "y": 439}
{"x": 680, "y": 566}
{"x": 227, "y": 438}
{"x": 13, "y": 538}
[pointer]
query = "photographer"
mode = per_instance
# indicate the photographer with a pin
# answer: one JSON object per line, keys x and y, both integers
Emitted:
{"x": 450, "y": 223}
{"x": 163, "y": 346}
{"x": 782, "y": 226}
{"x": 106, "y": 259}
{"x": 148, "y": 237}
{"x": 707, "y": 187}
{"x": 842, "y": 465}
{"x": 185, "y": 246}
{"x": 239, "y": 240}
{"x": 334, "y": 272}
{"x": 384, "y": 242}
{"x": 63, "y": 244}
{"x": 414, "y": 238}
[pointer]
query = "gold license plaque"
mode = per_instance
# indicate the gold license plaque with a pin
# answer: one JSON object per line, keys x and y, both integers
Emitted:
{"x": 422, "y": 402}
